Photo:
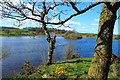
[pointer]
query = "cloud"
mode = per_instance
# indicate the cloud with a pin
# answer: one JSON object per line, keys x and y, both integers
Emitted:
{"x": 13, "y": 23}
{"x": 7, "y": 22}
{"x": 29, "y": 6}
{"x": 97, "y": 20}
{"x": 66, "y": 28}
{"x": 93, "y": 24}
{"x": 83, "y": 30}
{"x": 66, "y": 23}
{"x": 72, "y": 23}
{"x": 83, "y": 27}
{"x": 15, "y": 2}
{"x": 53, "y": 20}
{"x": 30, "y": 23}
{"x": 0, "y": 7}
{"x": 93, "y": 29}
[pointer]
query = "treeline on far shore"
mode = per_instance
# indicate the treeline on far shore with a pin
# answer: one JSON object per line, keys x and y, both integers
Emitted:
{"x": 30, "y": 31}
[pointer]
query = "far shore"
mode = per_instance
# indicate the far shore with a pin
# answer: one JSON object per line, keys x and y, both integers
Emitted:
{"x": 16, "y": 32}
{"x": 42, "y": 34}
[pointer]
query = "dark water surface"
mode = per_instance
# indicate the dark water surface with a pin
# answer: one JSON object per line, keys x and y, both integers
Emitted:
{"x": 35, "y": 49}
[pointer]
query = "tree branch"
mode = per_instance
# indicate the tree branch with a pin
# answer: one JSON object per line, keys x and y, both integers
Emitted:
{"x": 84, "y": 10}
{"x": 78, "y": 12}
{"x": 45, "y": 13}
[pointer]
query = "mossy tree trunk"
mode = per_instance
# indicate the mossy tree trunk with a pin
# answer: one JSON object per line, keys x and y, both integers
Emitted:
{"x": 103, "y": 50}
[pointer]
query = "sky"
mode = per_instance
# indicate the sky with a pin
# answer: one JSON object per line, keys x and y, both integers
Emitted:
{"x": 83, "y": 23}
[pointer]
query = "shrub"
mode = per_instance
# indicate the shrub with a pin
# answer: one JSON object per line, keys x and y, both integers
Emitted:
{"x": 116, "y": 69}
{"x": 69, "y": 50}
{"x": 71, "y": 35}
{"x": 27, "y": 69}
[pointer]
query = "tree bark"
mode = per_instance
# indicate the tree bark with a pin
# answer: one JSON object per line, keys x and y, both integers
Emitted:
{"x": 51, "y": 41}
{"x": 50, "y": 50}
{"x": 103, "y": 50}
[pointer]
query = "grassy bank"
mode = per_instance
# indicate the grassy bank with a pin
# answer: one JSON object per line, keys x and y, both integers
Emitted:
{"x": 19, "y": 32}
{"x": 95, "y": 35}
{"x": 7, "y": 31}
{"x": 75, "y": 68}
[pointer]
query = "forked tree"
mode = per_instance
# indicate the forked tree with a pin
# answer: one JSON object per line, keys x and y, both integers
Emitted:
{"x": 40, "y": 12}
{"x": 34, "y": 10}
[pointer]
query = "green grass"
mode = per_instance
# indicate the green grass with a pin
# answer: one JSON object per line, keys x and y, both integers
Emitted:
{"x": 17, "y": 29}
{"x": 19, "y": 32}
{"x": 74, "y": 68}
{"x": 115, "y": 70}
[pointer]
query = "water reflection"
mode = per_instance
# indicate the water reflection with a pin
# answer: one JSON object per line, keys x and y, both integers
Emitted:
{"x": 4, "y": 52}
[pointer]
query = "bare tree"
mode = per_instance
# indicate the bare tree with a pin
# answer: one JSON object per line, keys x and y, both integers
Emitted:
{"x": 39, "y": 12}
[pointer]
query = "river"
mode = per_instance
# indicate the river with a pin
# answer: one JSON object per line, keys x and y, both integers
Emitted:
{"x": 35, "y": 49}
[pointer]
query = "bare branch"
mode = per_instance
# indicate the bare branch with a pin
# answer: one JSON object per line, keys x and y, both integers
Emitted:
{"x": 19, "y": 11}
{"x": 78, "y": 12}
{"x": 74, "y": 7}
{"x": 51, "y": 8}
{"x": 45, "y": 12}
{"x": 32, "y": 10}
{"x": 84, "y": 10}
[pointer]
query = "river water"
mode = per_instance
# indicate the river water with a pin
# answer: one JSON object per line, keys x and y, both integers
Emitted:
{"x": 35, "y": 49}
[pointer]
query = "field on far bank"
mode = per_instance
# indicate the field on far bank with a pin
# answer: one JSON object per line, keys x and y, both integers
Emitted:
{"x": 7, "y": 31}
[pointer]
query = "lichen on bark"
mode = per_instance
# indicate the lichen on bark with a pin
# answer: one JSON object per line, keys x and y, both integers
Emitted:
{"x": 103, "y": 50}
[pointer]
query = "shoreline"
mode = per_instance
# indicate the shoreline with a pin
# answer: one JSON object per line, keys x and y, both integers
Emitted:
{"x": 42, "y": 34}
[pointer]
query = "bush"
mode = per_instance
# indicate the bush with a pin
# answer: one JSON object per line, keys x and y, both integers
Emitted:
{"x": 27, "y": 69}
{"x": 71, "y": 35}
{"x": 116, "y": 69}
{"x": 71, "y": 55}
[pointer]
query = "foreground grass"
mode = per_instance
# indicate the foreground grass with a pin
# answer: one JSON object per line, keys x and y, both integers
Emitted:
{"x": 75, "y": 68}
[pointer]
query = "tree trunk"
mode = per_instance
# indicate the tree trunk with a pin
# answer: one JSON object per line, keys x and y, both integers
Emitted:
{"x": 103, "y": 50}
{"x": 51, "y": 42}
{"x": 50, "y": 50}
